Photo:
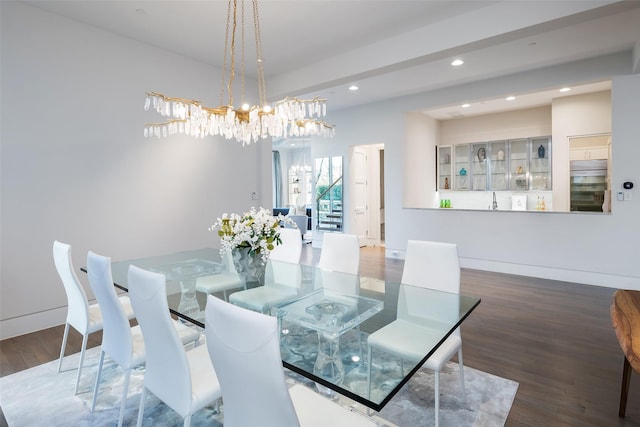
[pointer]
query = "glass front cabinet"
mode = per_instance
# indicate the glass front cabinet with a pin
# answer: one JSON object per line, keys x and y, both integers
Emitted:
{"x": 519, "y": 164}
{"x": 510, "y": 165}
{"x": 462, "y": 167}
{"x": 499, "y": 173}
{"x": 479, "y": 166}
{"x": 540, "y": 156}
{"x": 444, "y": 168}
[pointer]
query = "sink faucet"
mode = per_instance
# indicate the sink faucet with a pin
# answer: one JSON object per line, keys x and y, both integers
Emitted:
{"x": 495, "y": 202}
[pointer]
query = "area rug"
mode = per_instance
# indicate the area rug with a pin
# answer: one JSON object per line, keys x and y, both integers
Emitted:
{"x": 41, "y": 396}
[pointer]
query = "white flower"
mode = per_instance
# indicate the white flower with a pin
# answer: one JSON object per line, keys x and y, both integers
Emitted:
{"x": 256, "y": 229}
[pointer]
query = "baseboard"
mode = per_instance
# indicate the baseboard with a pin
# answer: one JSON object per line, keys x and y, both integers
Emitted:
{"x": 542, "y": 272}
{"x": 32, "y": 322}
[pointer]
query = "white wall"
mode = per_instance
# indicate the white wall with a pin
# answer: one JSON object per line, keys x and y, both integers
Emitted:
{"x": 584, "y": 248}
{"x": 525, "y": 123}
{"x": 76, "y": 168}
{"x": 588, "y": 114}
{"x": 419, "y": 156}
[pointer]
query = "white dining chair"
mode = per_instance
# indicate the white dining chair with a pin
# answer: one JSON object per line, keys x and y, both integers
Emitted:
{"x": 83, "y": 317}
{"x": 283, "y": 275}
{"x": 222, "y": 282}
{"x": 340, "y": 252}
{"x": 184, "y": 380}
{"x": 338, "y": 269}
{"x": 244, "y": 347}
{"x": 339, "y": 264}
{"x": 123, "y": 343}
{"x": 432, "y": 265}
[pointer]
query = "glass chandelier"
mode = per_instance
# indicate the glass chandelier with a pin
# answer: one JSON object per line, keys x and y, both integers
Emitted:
{"x": 290, "y": 117}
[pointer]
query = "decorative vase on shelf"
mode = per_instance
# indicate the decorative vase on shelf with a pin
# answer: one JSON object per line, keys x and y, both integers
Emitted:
{"x": 541, "y": 151}
{"x": 463, "y": 172}
{"x": 249, "y": 266}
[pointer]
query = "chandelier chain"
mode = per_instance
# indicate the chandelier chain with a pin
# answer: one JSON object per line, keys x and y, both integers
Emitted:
{"x": 226, "y": 53}
{"x": 232, "y": 67}
{"x": 259, "y": 58}
{"x": 242, "y": 98}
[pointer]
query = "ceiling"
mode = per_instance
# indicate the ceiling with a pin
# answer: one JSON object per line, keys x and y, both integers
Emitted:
{"x": 389, "y": 48}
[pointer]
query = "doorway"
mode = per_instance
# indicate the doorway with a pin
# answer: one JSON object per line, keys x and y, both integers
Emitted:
{"x": 366, "y": 182}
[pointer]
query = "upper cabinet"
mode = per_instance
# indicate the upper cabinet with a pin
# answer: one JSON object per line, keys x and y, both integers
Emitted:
{"x": 540, "y": 164}
{"x": 499, "y": 174}
{"x": 593, "y": 153}
{"x": 479, "y": 166}
{"x": 510, "y": 165}
{"x": 519, "y": 164}
{"x": 462, "y": 167}
{"x": 444, "y": 168}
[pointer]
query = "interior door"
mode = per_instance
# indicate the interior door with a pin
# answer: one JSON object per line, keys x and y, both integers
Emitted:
{"x": 358, "y": 174}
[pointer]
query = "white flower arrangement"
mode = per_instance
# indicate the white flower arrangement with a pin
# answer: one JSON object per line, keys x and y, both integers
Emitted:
{"x": 256, "y": 229}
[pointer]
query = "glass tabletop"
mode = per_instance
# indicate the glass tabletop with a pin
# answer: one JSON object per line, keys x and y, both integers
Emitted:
{"x": 325, "y": 317}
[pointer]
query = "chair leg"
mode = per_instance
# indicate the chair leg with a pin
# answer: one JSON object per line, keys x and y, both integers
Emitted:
{"x": 464, "y": 397}
{"x": 143, "y": 396}
{"x": 123, "y": 402}
{"x": 82, "y": 351}
{"x": 360, "y": 354}
{"x": 64, "y": 345}
{"x": 95, "y": 388}
{"x": 624, "y": 391}
{"x": 436, "y": 388}
{"x": 187, "y": 421}
{"x": 369, "y": 363}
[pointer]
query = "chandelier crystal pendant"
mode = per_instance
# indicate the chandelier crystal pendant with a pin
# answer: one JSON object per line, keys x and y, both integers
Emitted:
{"x": 290, "y": 117}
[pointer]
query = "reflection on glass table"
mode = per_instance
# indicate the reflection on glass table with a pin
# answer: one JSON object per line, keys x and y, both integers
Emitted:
{"x": 330, "y": 314}
{"x": 186, "y": 273}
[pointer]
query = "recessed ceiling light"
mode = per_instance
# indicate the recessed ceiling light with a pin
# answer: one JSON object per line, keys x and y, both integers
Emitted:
{"x": 457, "y": 62}
{"x": 353, "y": 88}
{"x": 565, "y": 89}
{"x": 466, "y": 105}
{"x": 510, "y": 98}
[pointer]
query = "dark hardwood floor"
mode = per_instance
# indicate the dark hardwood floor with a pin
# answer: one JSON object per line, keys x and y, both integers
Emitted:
{"x": 554, "y": 338}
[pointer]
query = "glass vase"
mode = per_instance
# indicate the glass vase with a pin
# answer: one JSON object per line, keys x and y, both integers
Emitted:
{"x": 249, "y": 266}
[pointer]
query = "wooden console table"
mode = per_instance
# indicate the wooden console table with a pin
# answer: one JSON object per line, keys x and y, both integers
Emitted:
{"x": 625, "y": 316}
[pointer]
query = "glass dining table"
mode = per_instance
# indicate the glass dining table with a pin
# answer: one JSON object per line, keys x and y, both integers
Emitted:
{"x": 325, "y": 318}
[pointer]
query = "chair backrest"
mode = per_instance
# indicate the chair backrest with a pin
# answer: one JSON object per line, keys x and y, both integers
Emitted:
{"x": 116, "y": 335}
{"x": 339, "y": 263}
{"x": 283, "y": 267}
{"x": 78, "y": 306}
{"x": 291, "y": 248}
{"x": 432, "y": 265}
{"x": 244, "y": 347}
{"x": 167, "y": 369}
{"x": 340, "y": 252}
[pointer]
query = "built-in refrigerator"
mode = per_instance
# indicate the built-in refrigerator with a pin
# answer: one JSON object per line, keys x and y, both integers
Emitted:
{"x": 588, "y": 185}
